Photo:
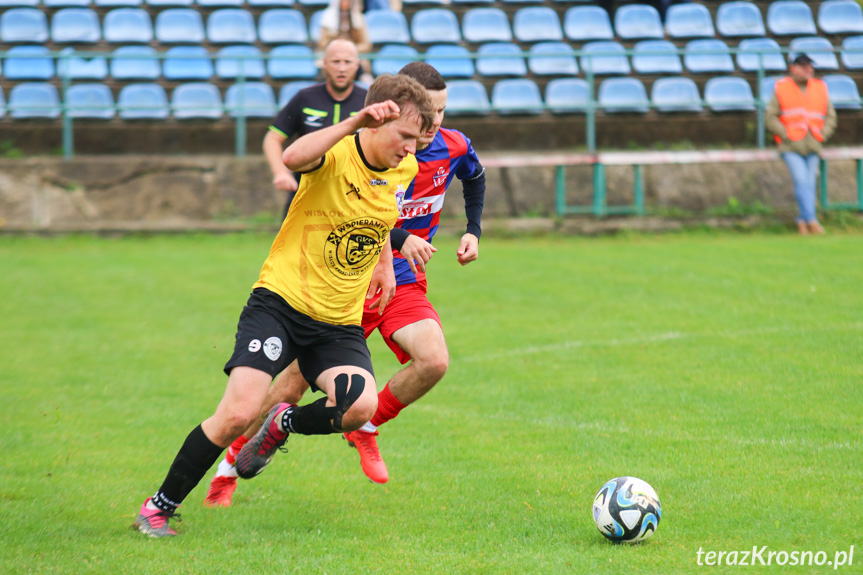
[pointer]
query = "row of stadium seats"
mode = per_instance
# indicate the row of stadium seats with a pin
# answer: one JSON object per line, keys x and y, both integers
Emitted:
{"x": 704, "y": 56}
{"x": 511, "y": 96}
{"x": 430, "y": 25}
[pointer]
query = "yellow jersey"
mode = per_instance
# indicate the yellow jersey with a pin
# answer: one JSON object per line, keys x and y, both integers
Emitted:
{"x": 322, "y": 259}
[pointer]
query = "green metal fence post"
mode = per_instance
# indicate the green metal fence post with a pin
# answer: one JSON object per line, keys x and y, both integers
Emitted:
{"x": 638, "y": 191}
{"x": 759, "y": 107}
{"x": 240, "y": 132}
{"x": 560, "y": 190}
{"x": 823, "y": 183}
{"x": 68, "y": 134}
{"x": 860, "y": 184}
{"x": 590, "y": 127}
{"x": 598, "y": 189}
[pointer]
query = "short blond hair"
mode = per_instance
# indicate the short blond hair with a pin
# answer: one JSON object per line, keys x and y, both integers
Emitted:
{"x": 404, "y": 91}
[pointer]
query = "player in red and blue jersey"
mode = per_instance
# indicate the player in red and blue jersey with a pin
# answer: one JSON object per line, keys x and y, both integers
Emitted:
{"x": 408, "y": 323}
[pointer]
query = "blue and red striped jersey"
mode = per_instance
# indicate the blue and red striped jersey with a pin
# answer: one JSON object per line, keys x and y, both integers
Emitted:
{"x": 449, "y": 155}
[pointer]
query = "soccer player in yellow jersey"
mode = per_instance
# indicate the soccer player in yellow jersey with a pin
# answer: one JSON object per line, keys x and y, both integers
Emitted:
{"x": 332, "y": 252}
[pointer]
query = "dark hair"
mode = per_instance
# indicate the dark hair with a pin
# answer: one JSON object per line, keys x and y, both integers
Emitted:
{"x": 425, "y": 74}
{"x": 404, "y": 91}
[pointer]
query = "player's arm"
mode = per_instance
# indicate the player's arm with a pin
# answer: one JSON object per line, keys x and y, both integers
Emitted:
{"x": 473, "y": 190}
{"x": 413, "y": 248}
{"x": 283, "y": 179}
{"x": 307, "y": 153}
{"x": 383, "y": 284}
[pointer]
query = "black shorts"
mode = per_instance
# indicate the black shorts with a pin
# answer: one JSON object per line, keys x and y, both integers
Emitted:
{"x": 271, "y": 335}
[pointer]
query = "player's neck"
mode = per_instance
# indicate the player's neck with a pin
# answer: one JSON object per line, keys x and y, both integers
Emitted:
{"x": 367, "y": 150}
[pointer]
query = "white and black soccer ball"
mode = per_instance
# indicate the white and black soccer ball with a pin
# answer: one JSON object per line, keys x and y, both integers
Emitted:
{"x": 627, "y": 510}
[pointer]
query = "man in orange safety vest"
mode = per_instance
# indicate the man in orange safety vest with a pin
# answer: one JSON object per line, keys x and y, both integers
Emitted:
{"x": 802, "y": 118}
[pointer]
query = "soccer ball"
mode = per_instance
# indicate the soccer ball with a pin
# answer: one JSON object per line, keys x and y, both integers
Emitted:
{"x": 627, "y": 510}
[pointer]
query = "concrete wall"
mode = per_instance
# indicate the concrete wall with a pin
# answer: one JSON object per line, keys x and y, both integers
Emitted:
{"x": 177, "y": 191}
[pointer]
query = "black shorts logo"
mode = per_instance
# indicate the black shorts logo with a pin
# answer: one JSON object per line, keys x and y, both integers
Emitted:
{"x": 354, "y": 246}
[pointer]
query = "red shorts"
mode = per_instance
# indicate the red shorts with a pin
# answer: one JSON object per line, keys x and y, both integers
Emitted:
{"x": 408, "y": 306}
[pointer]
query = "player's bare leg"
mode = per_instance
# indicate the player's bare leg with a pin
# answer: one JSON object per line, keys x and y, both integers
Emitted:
{"x": 288, "y": 387}
{"x": 424, "y": 341}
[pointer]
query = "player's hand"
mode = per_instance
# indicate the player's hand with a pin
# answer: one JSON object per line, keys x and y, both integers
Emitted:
{"x": 417, "y": 252}
{"x": 382, "y": 288}
{"x": 468, "y": 249}
{"x": 377, "y": 115}
{"x": 285, "y": 181}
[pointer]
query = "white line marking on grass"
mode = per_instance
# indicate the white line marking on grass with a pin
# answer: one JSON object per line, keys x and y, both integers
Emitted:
{"x": 657, "y": 338}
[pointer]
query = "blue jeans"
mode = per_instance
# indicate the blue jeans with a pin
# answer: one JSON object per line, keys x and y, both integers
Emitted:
{"x": 804, "y": 174}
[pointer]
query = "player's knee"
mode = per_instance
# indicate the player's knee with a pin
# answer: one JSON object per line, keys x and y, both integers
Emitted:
{"x": 360, "y": 412}
{"x": 235, "y": 421}
{"x": 434, "y": 367}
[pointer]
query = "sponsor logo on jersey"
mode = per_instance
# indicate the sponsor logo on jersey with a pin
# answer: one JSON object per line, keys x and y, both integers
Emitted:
{"x": 354, "y": 246}
{"x": 378, "y": 182}
{"x": 273, "y": 348}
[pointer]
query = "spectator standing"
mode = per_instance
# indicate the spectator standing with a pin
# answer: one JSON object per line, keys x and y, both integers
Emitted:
{"x": 313, "y": 108}
{"x": 802, "y": 118}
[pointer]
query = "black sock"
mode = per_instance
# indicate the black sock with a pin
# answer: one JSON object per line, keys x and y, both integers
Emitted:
{"x": 312, "y": 419}
{"x": 193, "y": 460}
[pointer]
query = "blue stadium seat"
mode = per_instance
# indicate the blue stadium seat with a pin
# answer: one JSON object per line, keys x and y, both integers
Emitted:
{"x": 282, "y": 26}
{"x": 23, "y": 25}
{"x": 790, "y": 17}
{"x": 230, "y": 60}
{"x": 171, "y": 3}
{"x": 537, "y": 24}
{"x": 231, "y": 26}
{"x": 473, "y": 1}
{"x": 196, "y": 100}
{"x": 314, "y": 3}
{"x": 689, "y": 21}
{"x": 675, "y": 95}
{"x": 585, "y": 23}
{"x": 385, "y": 27}
{"x": 567, "y": 95}
{"x": 843, "y": 92}
{"x": 187, "y": 63}
{"x": 28, "y": 63}
{"x": 500, "y": 59}
{"x": 451, "y": 61}
{"x": 79, "y": 25}
{"x": 19, "y": 3}
{"x": 523, "y": 1}
{"x": 142, "y": 102}
{"x": 34, "y": 100}
{"x": 552, "y": 59}
{"x": 604, "y": 57}
{"x": 179, "y": 26}
{"x": 486, "y": 25}
{"x": 819, "y": 49}
{"x": 128, "y": 25}
{"x": 90, "y": 101}
{"x": 2, "y": 103}
{"x": 435, "y": 25}
{"x": 756, "y": 52}
{"x": 392, "y": 58}
{"x": 708, "y": 56}
{"x": 117, "y": 4}
{"x": 656, "y": 57}
{"x": 78, "y": 68}
{"x": 636, "y": 21}
{"x": 852, "y": 52}
{"x": 252, "y": 100}
{"x": 269, "y": 3}
{"x": 292, "y": 61}
{"x": 840, "y": 17}
{"x": 736, "y": 19}
{"x": 623, "y": 95}
{"x": 290, "y": 90}
{"x": 768, "y": 87}
{"x": 65, "y": 3}
{"x": 467, "y": 97}
{"x": 220, "y": 3}
{"x": 516, "y": 96}
{"x": 135, "y": 63}
{"x": 728, "y": 93}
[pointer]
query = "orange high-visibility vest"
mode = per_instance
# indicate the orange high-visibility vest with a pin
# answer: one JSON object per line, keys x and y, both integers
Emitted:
{"x": 802, "y": 112}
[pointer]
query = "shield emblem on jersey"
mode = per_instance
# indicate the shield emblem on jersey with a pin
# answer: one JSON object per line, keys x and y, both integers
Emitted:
{"x": 440, "y": 176}
{"x": 359, "y": 248}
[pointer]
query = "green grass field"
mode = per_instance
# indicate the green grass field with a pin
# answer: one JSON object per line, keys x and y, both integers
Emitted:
{"x": 723, "y": 369}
